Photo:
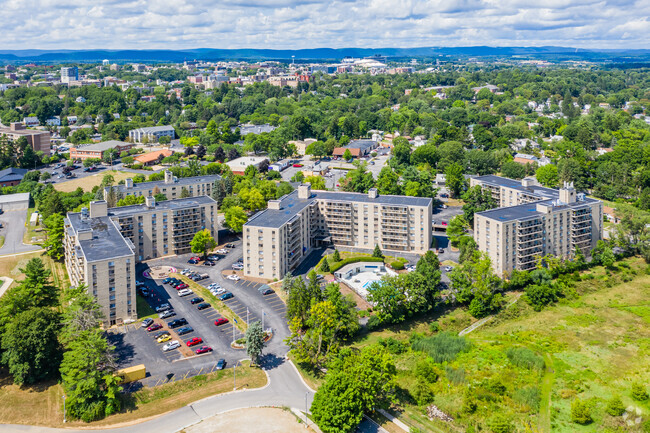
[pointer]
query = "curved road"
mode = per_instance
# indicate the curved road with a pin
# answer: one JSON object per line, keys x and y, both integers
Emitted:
{"x": 285, "y": 388}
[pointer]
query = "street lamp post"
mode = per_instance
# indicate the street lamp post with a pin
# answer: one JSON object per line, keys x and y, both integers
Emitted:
{"x": 306, "y": 419}
{"x": 64, "y": 408}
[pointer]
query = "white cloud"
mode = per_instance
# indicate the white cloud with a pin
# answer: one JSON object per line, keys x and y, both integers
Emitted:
{"x": 287, "y": 24}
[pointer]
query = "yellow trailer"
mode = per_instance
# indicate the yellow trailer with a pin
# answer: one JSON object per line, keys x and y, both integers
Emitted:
{"x": 131, "y": 374}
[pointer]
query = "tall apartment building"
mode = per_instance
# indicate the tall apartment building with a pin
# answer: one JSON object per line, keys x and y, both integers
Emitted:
{"x": 170, "y": 186}
{"x": 277, "y": 239}
{"x": 534, "y": 221}
{"x": 152, "y": 133}
{"x": 102, "y": 245}
{"x": 96, "y": 254}
{"x": 69, "y": 74}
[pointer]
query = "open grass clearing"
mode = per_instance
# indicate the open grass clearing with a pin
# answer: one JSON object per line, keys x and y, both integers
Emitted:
{"x": 89, "y": 182}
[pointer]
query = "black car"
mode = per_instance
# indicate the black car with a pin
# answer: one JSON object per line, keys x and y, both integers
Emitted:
{"x": 196, "y": 300}
{"x": 184, "y": 330}
{"x": 209, "y": 263}
{"x": 160, "y": 334}
{"x": 203, "y": 306}
{"x": 267, "y": 291}
{"x": 176, "y": 323}
{"x": 146, "y": 322}
{"x": 221, "y": 364}
{"x": 230, "y": 245}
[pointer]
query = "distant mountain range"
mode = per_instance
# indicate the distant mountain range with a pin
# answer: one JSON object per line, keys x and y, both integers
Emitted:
{"x": 326, "y": 54}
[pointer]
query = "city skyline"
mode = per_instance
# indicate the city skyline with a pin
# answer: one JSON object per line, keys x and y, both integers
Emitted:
{"x": 285, "y": 24}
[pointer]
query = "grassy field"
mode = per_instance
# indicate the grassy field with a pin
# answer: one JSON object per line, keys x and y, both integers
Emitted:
{"x": 33, "y": 231}
{"x": 590, "y": 346}
{"x": 143, "y": 308}
{"x": 87, "y": 183}
{"x": 10, "y": 265}
{"x": 43, "y": 405}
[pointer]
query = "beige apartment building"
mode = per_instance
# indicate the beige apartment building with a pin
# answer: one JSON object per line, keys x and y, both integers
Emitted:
{"x": 103, "y": 245}
{"x": 170, "y": 186}
{"x": 96, "y": 254}
{"x": 534, "y": 221}
{"x": 277, "y": 239}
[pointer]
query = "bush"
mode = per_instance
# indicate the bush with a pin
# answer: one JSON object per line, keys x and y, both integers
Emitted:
{"x": 426, "y": 370}
{"x": 469, "y": 405}
{"x": 374, "y": 322}
{"x": 442, "y": 347}
{"x": 423, "y": 393}
{"x": 338, "y": 265}
{"x": 615, "y": 406}
{"x": 325, "y": 267}
{"x": 434, "y": 327}
{"x": 523, "y": 357}
{"x": 494, "y": 385}
{"x": 499, "y": 423}
{"x": 393, "y": 346}
{"x": 398, "y": 266}
{"x": 540, "y": 295}
{"x": 529, "y": 396}
{"x": 638, "y": 392}
{"x": 580, "y": 412}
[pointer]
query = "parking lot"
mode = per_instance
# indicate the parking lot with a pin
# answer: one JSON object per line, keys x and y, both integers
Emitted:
{"x": 135, "y": 345}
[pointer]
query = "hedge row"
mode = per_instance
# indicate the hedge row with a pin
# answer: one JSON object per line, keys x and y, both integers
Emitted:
{"x": 338, "y": 265}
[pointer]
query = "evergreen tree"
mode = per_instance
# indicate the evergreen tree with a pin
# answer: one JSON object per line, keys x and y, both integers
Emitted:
{"x": 254, "y": 341}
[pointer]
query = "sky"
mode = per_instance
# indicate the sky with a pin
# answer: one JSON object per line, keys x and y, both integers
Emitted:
{"x": 297, "y": 24}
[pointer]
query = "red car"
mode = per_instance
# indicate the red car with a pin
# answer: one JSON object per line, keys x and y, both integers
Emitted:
{"x": 154, "y": 327}
{"x": 198, "y": 259}
{"x": 194, "y": 341}
{"x": 220, "y": 321}
{"x": 203, "y": 349}
{"x": 297, "y": 165}
{"x": 181, "y": 286}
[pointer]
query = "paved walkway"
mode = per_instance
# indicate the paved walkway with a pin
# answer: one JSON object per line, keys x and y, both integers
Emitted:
{"x": 6, "y": 283}
{"x": 285, "y": 389}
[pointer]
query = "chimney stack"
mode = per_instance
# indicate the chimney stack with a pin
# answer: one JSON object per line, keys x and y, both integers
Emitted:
{"x": 304, "y": 191}
{"x": 150, "y": 202}
{"x": 129, "y": 183}
{"x": 98, "y": 208}
{"x": 169, "y": 177}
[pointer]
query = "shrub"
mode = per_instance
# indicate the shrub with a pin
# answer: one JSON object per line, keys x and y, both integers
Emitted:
{"x": 529, "y": 396}
{"x": 338, "y": 265}
{"x": 469, "y": 405}
{"x": 495, "y": 386}
{"x": 523, "y": 357}
{"x": 325, "y": 267}
{"x": 638, "y": 392}
{"x": 539, "y": 296}
{"x": 499, "y": 423}
{"x": 423, "y": 393}
{"x": 393, "y": 346}
{"x": 580, "y": 412}
{"x": 434, "y": 327}
{"x": 455, "y": 375}
{"x": 397, "y": 265}
{"x": 374, "y": 322}
{"x": 615, "y": 406}
{"x": 426, "y": 370}
{"x": 442, "y": 347}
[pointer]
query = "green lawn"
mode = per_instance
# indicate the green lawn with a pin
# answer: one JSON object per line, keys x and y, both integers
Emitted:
{"x": 143, "y": 308}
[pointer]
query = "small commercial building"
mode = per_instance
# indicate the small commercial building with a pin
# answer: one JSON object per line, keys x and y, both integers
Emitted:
{"x": 12, "y": 176}
{"x": 96, "y": 150}
{"x": 239, "y": 165}
{"x": 357, "y": 148}
{"x": 14, "y": 201}
{"x": 153, "y": 158}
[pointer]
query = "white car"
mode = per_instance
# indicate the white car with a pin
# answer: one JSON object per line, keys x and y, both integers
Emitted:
{"x": 171, "y": 346}
{"x": 222, "y": 251}
{"x": 234, "y": 277}
{"x": 214, "y": 286}
{"x": 185, "y": 292}
{"x": 186, "y": 271}
{"x": 237, "y": 267}
{"x": 448, "y": 269}
{"x": 218, "y": 291}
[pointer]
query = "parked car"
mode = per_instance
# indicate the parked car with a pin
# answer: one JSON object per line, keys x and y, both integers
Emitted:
{"x": 203, "y": 349}
{"x": 181, "y": 286}
{"x": 213, "y": 286}
{"x": 440, "y": 250}
{"x": 209, "y": 263}
{"x": 185, "y": 292}
{"x": 143, "y": 290}
{"x": 226, "y": 296}
{"x": 213, "y": 257}
{"x": 164, "y": 338}
{"x": 186, "y": 271}
{"x": 237, "y": 267}
{"x": 202, "y": 277}
{"x": 267, "y": 291}
{"x": 163, "y": 307}
{"x": 154, "y": 327}
{"x": 139, "y": 284}
{"x": 176, "y": 323}
{"x": 194, "y": 341}
{"x": 146, "y": 322}
{"x": 171, "y": 346}
{"x": 192, "y": 262}
{"x": 234, "y": 277}
{"x": 230, "y": 245}
{"x": 220, "y": 321}
{"x": 297, "y": 165}
{"x": 218, "y": 291}
{"x": 221, "y": 364}
{"x": 160, "y": 334}
{"x": 184, "y": 330}
{"x": 319, "y": 277}
{"x": 167, "y": 280}
{"x": 222, "y": 251}
{"x": 196, "y": 300}
{"x": 448, "y": 269}
{"x": 203, "y": 306}
{"x": 167, "y": 314}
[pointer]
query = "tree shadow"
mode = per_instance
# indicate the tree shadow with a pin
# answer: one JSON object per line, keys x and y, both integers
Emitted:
{"x": 124, "y": 351}
{"x": 270, "y": 361}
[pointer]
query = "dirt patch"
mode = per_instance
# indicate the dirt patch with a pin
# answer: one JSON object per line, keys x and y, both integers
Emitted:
{"x": 254, "y": 420}
{"x": 362, "y": 304}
